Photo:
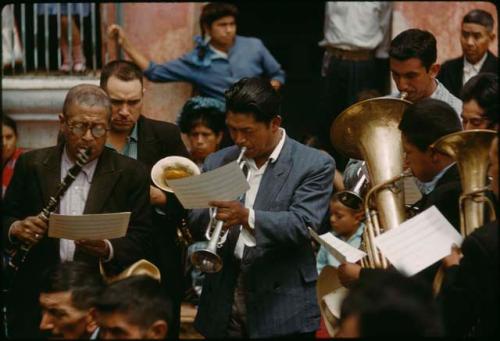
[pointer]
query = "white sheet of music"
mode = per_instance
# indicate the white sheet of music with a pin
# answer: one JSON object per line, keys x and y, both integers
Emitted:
{"x": 334, "y": 300}
{"x": 89, "y": 226}
{"x": 419, "y": 242}
{"x": 337, "y": 247}
{"x": 224, "y": 183}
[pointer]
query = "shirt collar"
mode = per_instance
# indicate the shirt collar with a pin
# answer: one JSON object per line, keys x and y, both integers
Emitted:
{"x": 88, "y": 169}
{"x": 475, "y": 67}
{"x": 357, "y": 234}
{"x": 427, "y": 187}
{"x": 133, "y": 134}
{"x": 276, "y": 152}
{"x": 217, "y": 53}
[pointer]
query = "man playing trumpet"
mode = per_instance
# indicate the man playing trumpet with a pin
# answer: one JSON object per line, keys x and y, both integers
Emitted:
{"x": 266, "y": 287}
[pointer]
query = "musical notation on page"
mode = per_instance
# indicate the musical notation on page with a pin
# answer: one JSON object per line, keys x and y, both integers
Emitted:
{"x": 224, "y": 183}
{"x": 341, "y": 250}
{"x": 89, "y": 226}
{"x": 419, "y": 242}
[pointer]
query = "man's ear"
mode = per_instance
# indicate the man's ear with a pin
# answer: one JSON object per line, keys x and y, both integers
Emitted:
{"x": 62, "y": 118}
{"x": 158, "y": 330}
{"x": 219, "y": 138}
{"x": 359, "y": 215}
{"x": 276, "y": 122}
{"x": 90, "y": 321}
{"x": 434, "y": 70}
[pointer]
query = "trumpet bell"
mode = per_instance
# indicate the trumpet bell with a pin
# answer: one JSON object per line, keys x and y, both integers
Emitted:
{"x": 170, "y": 168}
{"x": 206, "y": 261}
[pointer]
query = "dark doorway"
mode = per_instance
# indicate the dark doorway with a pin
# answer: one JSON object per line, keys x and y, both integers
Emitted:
{"x": 291, "y": 31}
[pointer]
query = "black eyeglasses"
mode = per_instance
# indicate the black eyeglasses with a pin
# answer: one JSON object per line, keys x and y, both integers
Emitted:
{"x": 80, "y": 128}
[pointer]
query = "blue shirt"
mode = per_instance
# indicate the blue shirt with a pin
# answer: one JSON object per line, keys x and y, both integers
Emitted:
{"x": 248, "y": 57}
{"x": 130, "y": 148}
{"x": 324, "y": 257}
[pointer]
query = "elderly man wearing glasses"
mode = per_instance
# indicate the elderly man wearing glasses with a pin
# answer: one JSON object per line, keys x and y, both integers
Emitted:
{"x": 108, "y": 182}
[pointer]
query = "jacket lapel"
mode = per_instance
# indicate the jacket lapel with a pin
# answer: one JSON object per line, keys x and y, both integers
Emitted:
{"x": 50, "y": 173}
{"x": 103, "y": 182}
{"x": 274, "y": 178}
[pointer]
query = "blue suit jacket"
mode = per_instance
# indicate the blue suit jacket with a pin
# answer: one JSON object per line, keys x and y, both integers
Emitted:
{"x": 279, "y": 273}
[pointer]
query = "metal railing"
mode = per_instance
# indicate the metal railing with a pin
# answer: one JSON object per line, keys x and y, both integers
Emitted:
{"x": 41, "y": 42}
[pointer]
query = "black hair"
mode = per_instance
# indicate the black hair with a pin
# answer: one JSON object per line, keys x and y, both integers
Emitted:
{"x": 122, "y": 69}
{"x": 214, "y": 11}
{"x": 427, "y": 120}
{"x": 483, "y": 88}
{"x": 414, "y": 43}
{"x": 140, "y": 298}
{"x": 390, "y": 304}
{"x": 81, "y": 279}
{"x": 480, "y": 17}
{"x": 195, "y": 112}
{"x": 9, "y": 122}
{"x": 254, "y": 96}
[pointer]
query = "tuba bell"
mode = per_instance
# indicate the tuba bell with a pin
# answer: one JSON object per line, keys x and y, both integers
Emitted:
{"x": 368, "y": 130}
{"x": 170, "y": 168}
{"x": 469, "y": 149}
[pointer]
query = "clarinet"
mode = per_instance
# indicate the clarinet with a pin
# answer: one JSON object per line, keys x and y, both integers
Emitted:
{"x": 18, "y": 255}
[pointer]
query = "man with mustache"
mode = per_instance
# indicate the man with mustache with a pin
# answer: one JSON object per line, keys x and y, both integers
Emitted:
{"x": 108, "y": 182}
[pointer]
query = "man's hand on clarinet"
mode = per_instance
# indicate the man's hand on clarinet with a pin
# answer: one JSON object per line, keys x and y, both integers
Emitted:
{"x": 29, "y": 230}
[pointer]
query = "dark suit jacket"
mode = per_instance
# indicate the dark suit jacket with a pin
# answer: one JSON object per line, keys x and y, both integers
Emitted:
{"x": 469, "y": 294}
{"x": 279, "y": 273}
{"x": 156, "y": 140}
{"x": 452, "y": 71}
{"x": 445, "y": 197}
{"x": 119, "y": 184}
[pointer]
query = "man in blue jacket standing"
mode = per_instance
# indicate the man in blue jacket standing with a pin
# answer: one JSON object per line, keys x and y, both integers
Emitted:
{"x": 220, "y": 57}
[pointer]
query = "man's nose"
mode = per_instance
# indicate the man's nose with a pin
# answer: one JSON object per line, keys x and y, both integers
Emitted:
{"x": 46, "y": 323}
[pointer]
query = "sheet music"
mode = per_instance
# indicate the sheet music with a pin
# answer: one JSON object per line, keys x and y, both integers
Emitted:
{"x": 89, "y": 226}
{"x": 419, "y": 242}
{"x": 334, "y": 300}
{"x": 224, "y": 183}
{"x": 341, "y": 250}
{"x": 411, "y": 191}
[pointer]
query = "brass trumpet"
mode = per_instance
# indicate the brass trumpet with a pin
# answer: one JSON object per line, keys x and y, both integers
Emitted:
{"x": 207, "y": 260}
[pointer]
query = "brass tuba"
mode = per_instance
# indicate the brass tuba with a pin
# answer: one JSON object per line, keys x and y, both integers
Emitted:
{"x": 469, "y": 149}
{"x": 368, "y": 130}
{"x": 170, "y": 168}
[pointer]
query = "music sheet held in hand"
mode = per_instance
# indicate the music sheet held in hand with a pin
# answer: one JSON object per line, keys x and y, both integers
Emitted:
{"x": 337, "y": 247}
{"x": 224, "y": 183}
{"x": 89, "y": 226}
{"x": 419, "y": 242}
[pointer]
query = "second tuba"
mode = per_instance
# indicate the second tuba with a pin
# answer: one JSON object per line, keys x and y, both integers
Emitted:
{"x": 368, "y": 130}
{"x": 470, "y": 149}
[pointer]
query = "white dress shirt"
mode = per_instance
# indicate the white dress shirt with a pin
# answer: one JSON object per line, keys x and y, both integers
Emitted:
{"x": 73, "y": 201}
{"x": 470, "y": 70}
{"x": 255, "y": 176}
{"x": 358, "y": 25}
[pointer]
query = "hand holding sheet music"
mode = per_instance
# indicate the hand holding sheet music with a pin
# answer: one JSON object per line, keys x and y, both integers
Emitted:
{"x": 341, "y": 250}
{"x": 222, "y": 184}
{"x": 89, "y": 226}
{"x": 419, "y": 242}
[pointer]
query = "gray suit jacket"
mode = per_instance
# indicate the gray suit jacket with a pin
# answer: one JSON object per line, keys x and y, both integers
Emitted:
{"x": 279, "y": 273}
